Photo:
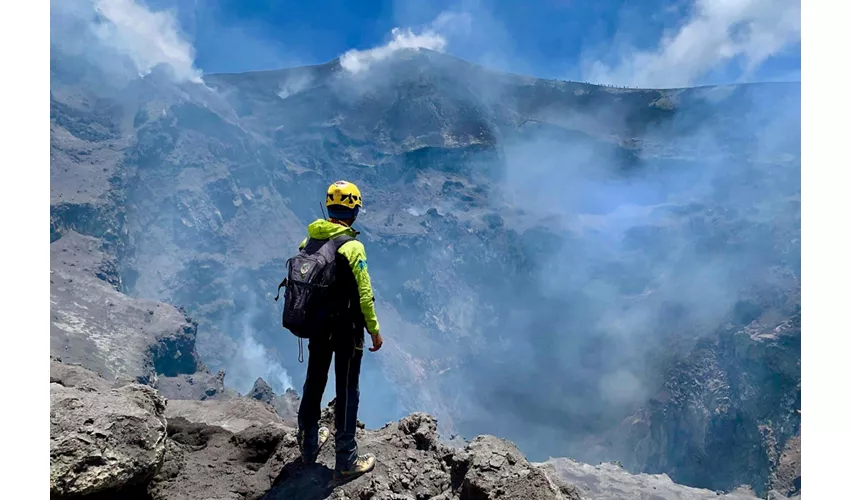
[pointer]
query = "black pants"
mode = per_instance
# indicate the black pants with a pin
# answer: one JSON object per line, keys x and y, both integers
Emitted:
{"x": 347, "y": 346}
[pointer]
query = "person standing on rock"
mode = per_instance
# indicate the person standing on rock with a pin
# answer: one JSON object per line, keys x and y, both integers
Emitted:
{"x": 350, "y": 301}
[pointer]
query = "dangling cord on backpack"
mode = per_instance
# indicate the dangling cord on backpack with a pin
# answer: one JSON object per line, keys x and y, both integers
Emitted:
{"x": 300, "y": 351}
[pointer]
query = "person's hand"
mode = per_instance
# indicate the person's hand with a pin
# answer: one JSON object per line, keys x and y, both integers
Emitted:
{"x": 377, "y": 341}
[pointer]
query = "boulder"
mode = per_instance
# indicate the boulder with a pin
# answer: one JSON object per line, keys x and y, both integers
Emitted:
{"x": 286, "y": 406}
{"x": 210, "y": 462}
{"x": 492, "y": 467}
{"x": 261, "y": 391}
{"x": 103, "y": 437}
{"x": 233, "y": 415}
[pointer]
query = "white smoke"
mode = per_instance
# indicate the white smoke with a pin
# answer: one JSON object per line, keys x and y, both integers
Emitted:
{"x": 257, "y": 362}
{"x": 622, "y": 387}
{"x": 148, "y": 38}
{"x": 356, "y": 61}
{"x": 717, "y": 32}
{"x": 294, "y": 84}
{"x": 252, "y": 359}
{"x": 126, "y": 27}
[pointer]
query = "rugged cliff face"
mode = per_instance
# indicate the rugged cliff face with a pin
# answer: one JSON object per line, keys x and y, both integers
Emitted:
{"x": 548, "y": 256}
{"x": 94, "y": 324}
{"x": 741, "y": 388}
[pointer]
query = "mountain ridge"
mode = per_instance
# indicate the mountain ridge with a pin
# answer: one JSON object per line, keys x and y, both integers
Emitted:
{"x": 335, "y": 65}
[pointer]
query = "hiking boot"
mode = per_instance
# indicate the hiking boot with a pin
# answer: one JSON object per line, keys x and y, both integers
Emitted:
{"x": 324, "y": 434}
{"x": 363, "y": 464}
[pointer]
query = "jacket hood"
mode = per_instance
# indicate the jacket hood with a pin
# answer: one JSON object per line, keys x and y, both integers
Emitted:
{"x": 322, "y": 229}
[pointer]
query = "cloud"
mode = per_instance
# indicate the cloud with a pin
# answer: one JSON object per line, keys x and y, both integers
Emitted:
{"x": 718, "y": 32}
{"x": 128, "y": 28}
{"x": 356, "y": 61}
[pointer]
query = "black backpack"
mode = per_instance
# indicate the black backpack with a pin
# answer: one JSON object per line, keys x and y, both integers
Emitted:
{"x": 310, "y": 301}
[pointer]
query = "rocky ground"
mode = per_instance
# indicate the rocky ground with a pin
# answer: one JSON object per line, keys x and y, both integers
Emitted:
{"x": 262, "y": 461}
{"x": 103, "y": 437}
{"x": 118, "y": 439}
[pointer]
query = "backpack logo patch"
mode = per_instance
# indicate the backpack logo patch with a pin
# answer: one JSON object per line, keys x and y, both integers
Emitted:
{"x": 304, "y": 268}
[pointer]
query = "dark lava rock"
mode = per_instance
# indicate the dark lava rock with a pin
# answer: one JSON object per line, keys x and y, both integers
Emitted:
{"x": 204, "y": 461}
{"x": 102, "y": 438}
{"x": 286, "y": 405}
{"x": 262, "y": 461}
{"x": 413, "y": 464}
{"x": 261, "y": 391}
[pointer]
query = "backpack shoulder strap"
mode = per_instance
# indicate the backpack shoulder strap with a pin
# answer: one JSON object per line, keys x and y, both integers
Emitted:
{"x": 341, "y": 240}
{"x": 283, "y": 283}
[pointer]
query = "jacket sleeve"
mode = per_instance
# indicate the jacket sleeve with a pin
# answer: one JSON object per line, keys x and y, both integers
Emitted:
{"x": 355, "y": 252}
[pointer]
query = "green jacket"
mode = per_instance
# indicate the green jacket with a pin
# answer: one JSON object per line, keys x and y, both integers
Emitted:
{"x": 355, "y": 253}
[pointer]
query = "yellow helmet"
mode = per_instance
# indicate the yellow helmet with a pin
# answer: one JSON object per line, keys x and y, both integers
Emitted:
{"x": 344, "y": 193}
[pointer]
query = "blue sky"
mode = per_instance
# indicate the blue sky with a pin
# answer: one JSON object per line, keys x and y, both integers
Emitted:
{"x": 262, "y": 34}
{"x": 637, "y": 43}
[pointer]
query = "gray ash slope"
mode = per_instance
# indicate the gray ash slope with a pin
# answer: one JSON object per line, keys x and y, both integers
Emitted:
{"x": 94, "y": 324}
{"x": 550, "y": 258}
